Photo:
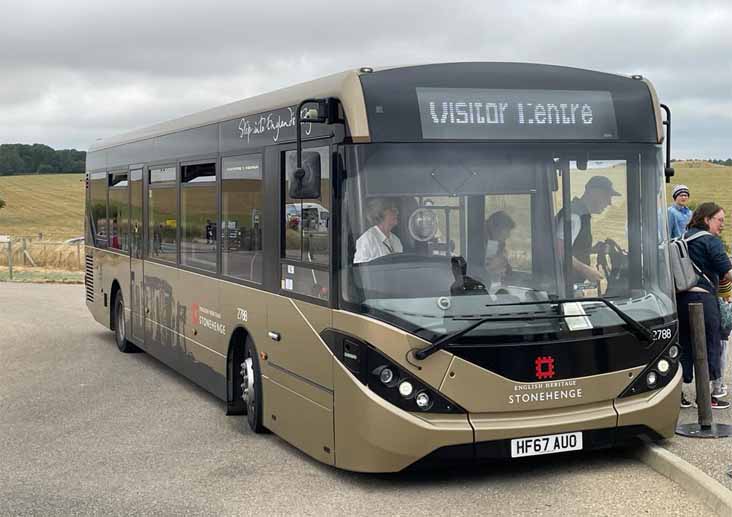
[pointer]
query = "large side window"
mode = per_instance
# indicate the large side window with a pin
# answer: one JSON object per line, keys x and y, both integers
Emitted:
{"x": 98, "y": 212}
{"x": 241, "y": 217}
{"x": 198, "y": 221}
{"x": 306, "y": 228}
{"x": 119, "y": 216}
{"x": 163, "y": 210}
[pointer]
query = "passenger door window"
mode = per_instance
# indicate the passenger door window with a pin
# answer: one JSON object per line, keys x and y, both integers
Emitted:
{"x": 306, "y": 221}
{"x": 306, "y": 232}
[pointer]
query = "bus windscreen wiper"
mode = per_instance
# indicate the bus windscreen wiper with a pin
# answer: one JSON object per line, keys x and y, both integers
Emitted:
{"x": 640, "y": 331}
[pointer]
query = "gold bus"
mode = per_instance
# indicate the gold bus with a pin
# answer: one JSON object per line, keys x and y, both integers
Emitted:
{"x": 372, "y": 265}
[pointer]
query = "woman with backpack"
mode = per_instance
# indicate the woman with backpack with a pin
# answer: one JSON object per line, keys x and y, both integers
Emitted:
{"x": 708, "y": 254}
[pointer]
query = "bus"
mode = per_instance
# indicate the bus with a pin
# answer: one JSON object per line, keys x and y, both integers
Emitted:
{"x": 432, "y": 310}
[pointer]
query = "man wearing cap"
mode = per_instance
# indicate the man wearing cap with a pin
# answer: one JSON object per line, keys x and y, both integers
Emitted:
{"x": 597, "y": 197}
{"x": 678, "y": 213}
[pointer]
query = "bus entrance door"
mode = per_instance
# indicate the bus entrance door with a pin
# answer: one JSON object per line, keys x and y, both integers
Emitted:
{"x": 137, "y": 309}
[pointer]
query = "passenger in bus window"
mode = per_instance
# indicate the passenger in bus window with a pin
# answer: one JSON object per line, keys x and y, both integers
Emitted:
{"x": 378, "y": 240}
{"x": 498, "y": 229}
{"x": 596, "y": 198}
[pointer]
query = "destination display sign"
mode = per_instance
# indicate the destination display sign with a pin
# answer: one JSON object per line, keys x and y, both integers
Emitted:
{"x": 492, "y": 114}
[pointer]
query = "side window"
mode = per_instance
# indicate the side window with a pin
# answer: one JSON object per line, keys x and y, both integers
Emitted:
{"x": 307, "y": 222}
{"x": 198, "y": 221}
{"x": 98, "y": 212}
{"x": 119, "y": 216}
{"x": 306, "y": 228}
{"x": 242, "y": 200}
{"x": 163, "y": 214}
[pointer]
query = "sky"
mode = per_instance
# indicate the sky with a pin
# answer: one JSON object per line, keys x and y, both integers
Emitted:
{"x": 74, "y": 71}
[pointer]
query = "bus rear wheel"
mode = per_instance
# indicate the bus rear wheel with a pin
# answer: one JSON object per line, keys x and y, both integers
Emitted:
{"x": 120, "y": 326}
{"x": 251, "y": 388}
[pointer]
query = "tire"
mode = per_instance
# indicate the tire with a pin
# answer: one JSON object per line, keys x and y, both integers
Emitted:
{"x": 120, "y": 326}
{"x": 251, "y": 388}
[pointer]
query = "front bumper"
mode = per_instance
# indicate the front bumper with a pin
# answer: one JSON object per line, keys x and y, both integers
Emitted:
{"x": 372, "y": 435}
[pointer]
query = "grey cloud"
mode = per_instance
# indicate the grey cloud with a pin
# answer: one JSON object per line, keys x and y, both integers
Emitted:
{"x": 74, "y": 71}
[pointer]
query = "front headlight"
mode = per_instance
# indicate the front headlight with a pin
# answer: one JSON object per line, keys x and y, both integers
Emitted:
{"x": 385, "y": 377}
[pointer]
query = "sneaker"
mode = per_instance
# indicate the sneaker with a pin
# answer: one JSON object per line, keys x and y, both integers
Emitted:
{"x": 720, "y": 392}
{"x": 719, "y": 404}
{"x": 684, "y": 402}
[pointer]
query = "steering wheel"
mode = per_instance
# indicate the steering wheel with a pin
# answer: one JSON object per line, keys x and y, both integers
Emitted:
{"x": 613, "y": 260}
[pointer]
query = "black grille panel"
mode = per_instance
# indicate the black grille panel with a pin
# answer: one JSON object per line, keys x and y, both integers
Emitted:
{"x": 89, "y": 278}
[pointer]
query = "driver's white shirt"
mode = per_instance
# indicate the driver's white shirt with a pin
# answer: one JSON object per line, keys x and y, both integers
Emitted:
{"x": 374, "y": 244}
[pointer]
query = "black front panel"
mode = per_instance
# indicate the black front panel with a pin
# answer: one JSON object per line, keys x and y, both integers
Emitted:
{"x": 557, "y": 359}
{"x": 393, "y": 106}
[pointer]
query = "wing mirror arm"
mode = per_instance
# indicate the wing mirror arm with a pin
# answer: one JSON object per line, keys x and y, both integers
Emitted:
{"x": 668, "y": 171}
{"x": 325, "y": 113}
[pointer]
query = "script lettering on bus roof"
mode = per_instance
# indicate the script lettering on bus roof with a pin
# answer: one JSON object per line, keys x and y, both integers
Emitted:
{"x": 468, "y": 113}
{"x": 270, "y": 123}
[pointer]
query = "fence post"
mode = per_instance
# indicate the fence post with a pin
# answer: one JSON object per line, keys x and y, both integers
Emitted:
{"x": 24, "y": 251}
{"x": 78, "y": 253}
{"x": 701, "y": 366}
{"x": 10, "y": 258}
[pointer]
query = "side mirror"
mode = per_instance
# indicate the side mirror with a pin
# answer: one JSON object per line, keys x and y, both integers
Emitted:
{"x": 305, "y": 181}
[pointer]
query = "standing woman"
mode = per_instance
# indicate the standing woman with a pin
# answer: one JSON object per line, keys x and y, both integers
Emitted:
{"x": 707, "y": 253}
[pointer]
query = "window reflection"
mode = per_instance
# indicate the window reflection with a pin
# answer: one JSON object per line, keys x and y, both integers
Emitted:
{"x": 162, "y": 208}
{"x": 98, "y": 202}
{"x": 199, "y": 228}
{"x": 241, "y": 217}
{"x": 307, "y": 222}
{"x": 119, "y": 222}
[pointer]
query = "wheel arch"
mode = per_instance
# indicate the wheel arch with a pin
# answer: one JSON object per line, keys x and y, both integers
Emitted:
{"x": 112, "y": 301}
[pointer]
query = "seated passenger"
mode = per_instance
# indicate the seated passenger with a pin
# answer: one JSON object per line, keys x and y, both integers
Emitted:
{"x": 378, "y": 240}
{"x": 497, "y": 230}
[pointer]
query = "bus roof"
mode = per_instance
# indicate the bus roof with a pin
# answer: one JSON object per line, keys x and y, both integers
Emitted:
{"x": 344, "y": 86}
{"x": 381, "y": 105}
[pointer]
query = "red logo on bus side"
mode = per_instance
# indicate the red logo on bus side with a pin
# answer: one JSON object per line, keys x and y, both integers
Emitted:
{"x": 544, "y": 367}
{"x": 194, "y": 314}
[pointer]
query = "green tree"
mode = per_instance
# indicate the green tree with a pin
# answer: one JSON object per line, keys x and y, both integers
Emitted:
{"x": 2, "y": 202}
{"x": 17, "y": 158}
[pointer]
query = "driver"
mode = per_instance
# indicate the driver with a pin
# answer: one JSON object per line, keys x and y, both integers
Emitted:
{"x": 597, "y": 197}
{"x": 378, "y": 240}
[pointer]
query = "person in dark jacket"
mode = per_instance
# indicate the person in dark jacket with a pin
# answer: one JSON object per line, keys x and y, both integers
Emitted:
{"x": 708, "y": 254}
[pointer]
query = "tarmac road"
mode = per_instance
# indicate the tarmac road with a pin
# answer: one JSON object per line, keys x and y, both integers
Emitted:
{"x": 87, "y": 430}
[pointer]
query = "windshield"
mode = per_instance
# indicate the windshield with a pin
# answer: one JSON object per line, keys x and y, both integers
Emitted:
{"x": 437, "y": 234}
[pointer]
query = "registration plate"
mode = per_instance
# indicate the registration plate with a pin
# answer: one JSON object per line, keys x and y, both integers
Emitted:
{"x": 548, "y": 444}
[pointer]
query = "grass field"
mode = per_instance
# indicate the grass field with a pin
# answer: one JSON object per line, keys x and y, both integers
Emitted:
{"x": 706, "y": 182}
{"x": 51, "y": 204}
